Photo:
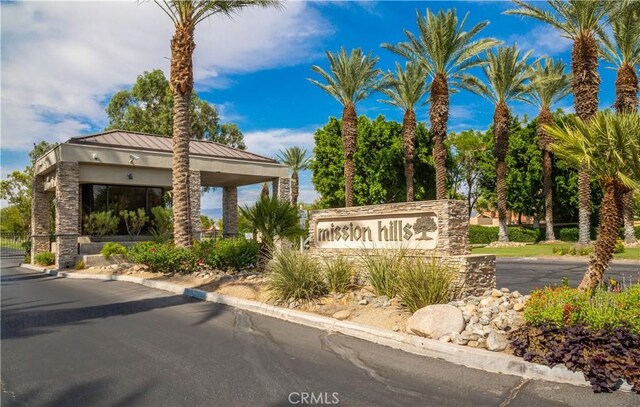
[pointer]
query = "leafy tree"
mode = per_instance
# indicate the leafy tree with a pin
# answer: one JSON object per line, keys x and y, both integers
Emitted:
{"x": 147, "y": 106}
{"x": 549, "y": 84}
{"x": 579, "y": 21}
{"x": 353, "y": 77}
{"x": 506, "y": 74}
{"x": 466, "y": 150}
{"x": 185, "y": 15}
{"x": 610, "y": 147}
{"x": 379, "y": 163}
{"x": 446, "y": 51}
{"x": 297, "y": 160}
{"x": 405, "y": 90}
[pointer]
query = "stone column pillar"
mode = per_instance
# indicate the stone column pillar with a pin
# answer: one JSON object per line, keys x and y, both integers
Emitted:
{"x": 194, "y": 204}
{"x": 282, "y": 189}
{"x": 40, "y": 216}
{"x": 229, "y": 211}
{"x": 67, "y": 190}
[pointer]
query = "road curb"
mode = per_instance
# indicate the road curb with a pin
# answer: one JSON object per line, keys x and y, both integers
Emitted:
{"x": 566, "y": 259}
{"x": 460, "y": 355}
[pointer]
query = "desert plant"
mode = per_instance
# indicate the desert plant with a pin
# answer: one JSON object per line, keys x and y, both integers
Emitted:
{"x": 112, "y": 248}
{"x": 294, "y": 275}
{"x": 134, "y": 221}
{"x": 422, "y": 282}
{"x": 382, "y": 268}
{"x": 162, "y": 229}
{"x": 339, "y": 273}
{"x": 45, "y": 258}
{"x": 101, "y": 223}
{"x": 79, "y": 265}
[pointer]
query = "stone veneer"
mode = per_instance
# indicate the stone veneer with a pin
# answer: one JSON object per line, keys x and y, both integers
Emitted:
{"x": 67, "y": 225}
{"x": 229, "y": 211}
{"x": 194, "y": 204}
{"x": 283, "y": 188}
{"x": 40, "y": 219}
{"x": 476, "y": 273}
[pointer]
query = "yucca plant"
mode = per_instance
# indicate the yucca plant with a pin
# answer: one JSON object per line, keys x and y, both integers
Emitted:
{"x": 609, "y": 146}
{"x": 297, "y": 160}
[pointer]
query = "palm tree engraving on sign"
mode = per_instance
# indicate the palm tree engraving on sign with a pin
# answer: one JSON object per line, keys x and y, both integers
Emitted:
{"x": 424, "y": 225}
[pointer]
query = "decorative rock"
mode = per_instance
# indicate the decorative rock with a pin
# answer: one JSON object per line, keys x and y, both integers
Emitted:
{"x": 504, "y": 290}
{"x": 395, "y": 328}
{"x": 342, "y": 315}
{"x": 518, "y": 306}
{"x": 496, "y": 342}
{"x": 516, "y": 294}
{"x": 363, "y": 302}
{"x": 496, "y": 293}
{"x": 434, "y": 321}
{"x": 445, "y": 338}
{"x": 503, "y": 308}
{"x": 484, "y": 320}
{"x": 383, "y": 299}
{"x": 472, "y": 344}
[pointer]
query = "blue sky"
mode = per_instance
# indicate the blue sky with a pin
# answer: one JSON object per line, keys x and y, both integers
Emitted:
{"x": 61, "y": 62}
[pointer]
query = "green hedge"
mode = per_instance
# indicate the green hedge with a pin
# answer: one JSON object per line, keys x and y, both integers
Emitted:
{"x": 237, "y": 253}
{"x": 163, "y": 257}
{"x": 487, "y": 234}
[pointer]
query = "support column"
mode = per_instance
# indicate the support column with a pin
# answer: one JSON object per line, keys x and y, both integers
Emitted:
{"x": 194, "y": 204}
{"x": 40, "y": 219}
{"x": 229, "y": 211}
{"x": 67, "y": 208}
{"x": 282, "y": 189}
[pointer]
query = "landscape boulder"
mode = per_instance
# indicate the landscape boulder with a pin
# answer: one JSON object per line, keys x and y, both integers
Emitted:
{"x": 434, "y": 321}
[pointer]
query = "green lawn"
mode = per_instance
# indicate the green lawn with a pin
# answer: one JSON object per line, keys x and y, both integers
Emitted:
{"x": 536, "y": 250}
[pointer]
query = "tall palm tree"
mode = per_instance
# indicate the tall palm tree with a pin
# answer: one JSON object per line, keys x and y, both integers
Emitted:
{"x": 506, "y": 74}
{"x": 185, "y": 15}
{"x": 404, "y": 90}
{"x": 549, "y": 84}
{"x": 624, "y": 53}
{"x": 610, "y": 148}
{"x": 354, "y": 78}
{"x": 446, "y": 51}
{"x": 580, "y": 21}
{"x": 297, "y": 160}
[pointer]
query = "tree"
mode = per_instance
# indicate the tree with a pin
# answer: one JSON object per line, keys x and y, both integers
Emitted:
{"x": 579, "y": 21}
{"x": 446, "y": 51}
{"x": 297, "y": 160}
{"x": 466, "y": 149}
{"x": 17, "y": 190}
{"x": 147, "y": 106}
{"x": 549, "y": 84}
{"x": 506, "y": 74}
{"x": 623, "y": 52}
{"x": 379, "y": 174}
{"x": 610, "y": 148}
{"x": 354, "y": 78}
{"x": 185, "y": 15}
{"x": 404, "y": 90}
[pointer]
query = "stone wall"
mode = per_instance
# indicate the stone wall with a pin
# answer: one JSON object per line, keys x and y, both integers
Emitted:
{"x": 229, "y": 211}
{"x": 67, "y": 208}
{"x": 195, "y": 195}
{"x": 282, "y": 189}
{"x": 40, "y": 219}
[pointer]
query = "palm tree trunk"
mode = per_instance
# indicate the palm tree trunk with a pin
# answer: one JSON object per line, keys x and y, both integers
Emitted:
{"x": 294, "y": 190}
{"x": 501, "y": 130}
{"x": 349, "y": 140}
{"x": 181, "y": 84}
{"x": 439, "y": 115}
{"x": 585, "y": 84}
{"x": 627, "y": 101}
{"x": 408, "y": 146}
{"x": 610, "y": 219}
{"x": 545, "y": 117}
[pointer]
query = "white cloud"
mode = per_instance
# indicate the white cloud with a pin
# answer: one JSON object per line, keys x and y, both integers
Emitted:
{"x": 460, "y": 112}
{"x": 62, "y": 60}
{"x": 544, "y": 40}
{"x": 269, "y": 142}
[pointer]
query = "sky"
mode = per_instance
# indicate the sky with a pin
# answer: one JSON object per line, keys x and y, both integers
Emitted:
{"x": 62, "y": 61}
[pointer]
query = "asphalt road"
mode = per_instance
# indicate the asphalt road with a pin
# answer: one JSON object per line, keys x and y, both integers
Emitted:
{"x": 526, "y": 274}
{"x": 91, "y": 343}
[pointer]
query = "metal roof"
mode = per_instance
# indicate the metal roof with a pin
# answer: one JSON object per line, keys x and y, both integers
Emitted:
{"x": 153, "y": 142}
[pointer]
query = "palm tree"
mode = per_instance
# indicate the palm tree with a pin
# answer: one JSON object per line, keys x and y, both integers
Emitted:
{"x": 354, "y": 78}
{"x": 506, "y": 74}
{"x": 404, "y": 90}
{"x": 446, "y": 51}
{"x": 624, "y": 54}
{"x": 580, "y": 21}
{"x": 610, "y": 148}
{"x": 185, "y": 15}
{"x": 549, "y": 84}
{"x": 297, "y": 160}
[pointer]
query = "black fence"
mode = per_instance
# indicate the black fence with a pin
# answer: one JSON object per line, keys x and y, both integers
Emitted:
{"x": 14, "y": 245}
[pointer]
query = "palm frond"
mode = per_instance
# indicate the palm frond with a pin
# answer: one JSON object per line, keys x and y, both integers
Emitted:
{"x": 295, "y": 158}
{"x": 407, "y": 87}
{"x": 623, "y": 46}
{"x": 549, "y": 83}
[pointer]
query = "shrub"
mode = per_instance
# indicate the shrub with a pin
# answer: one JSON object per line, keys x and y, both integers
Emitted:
{"x": 237, "y": 253}
{"x": 134, "y": 221}
{"x": 101, "y": 223}
{"x": 272, "y": 219}
{"x": 605, "y": 357}
{"x": 523, "y": 235}
{"x": 421, "y": 283}
{"x": 162, "y": 230}
{"x": 294, "y": 275}
{"x": 163, "y": 257}
{"x": 45, "y": 258}
{"x": 382, "y": 270}
{"x": 79, "y": 265}
{"x": 26, "y": 246}
{"x": 637, "y": 231}
{"x": 482, "y": 234}
{"x": 339, "y": 273}
{"x": 27, "y": 259}
{"x": 568, "y": 234}
{"x": 112, "y": 248}
{"x": 619, "y": 247}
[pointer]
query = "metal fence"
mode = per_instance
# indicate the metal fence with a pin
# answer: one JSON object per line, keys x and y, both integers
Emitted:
{"x": 14, "y": 245}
